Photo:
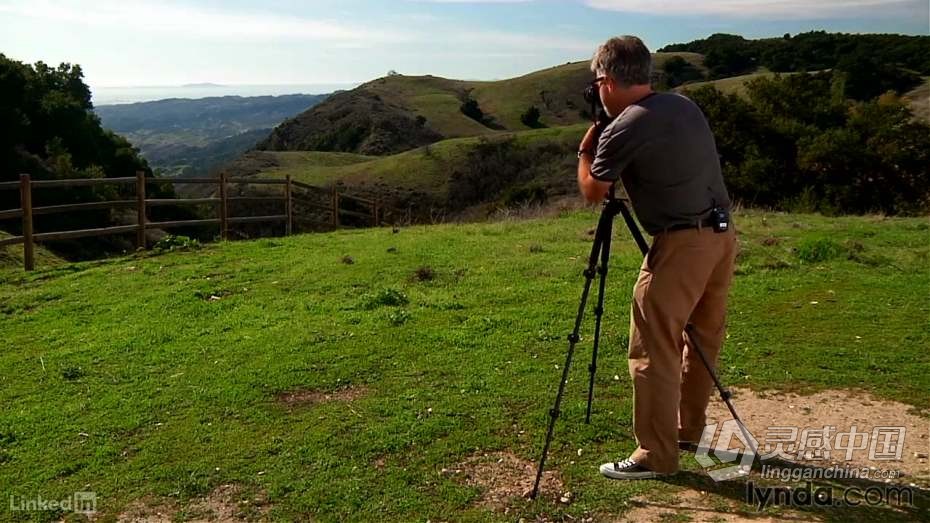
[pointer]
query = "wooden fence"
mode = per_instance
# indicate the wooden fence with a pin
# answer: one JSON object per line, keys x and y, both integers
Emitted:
{"x": 293, "y": 192}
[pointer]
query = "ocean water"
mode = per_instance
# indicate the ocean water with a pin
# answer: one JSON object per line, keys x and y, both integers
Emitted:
{"x": 125, "y": 95}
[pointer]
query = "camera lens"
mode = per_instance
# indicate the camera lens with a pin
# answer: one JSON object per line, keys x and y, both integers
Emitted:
{"x": 591, "y": 95}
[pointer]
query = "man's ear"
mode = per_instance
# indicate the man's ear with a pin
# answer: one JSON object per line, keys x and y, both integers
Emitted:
{"x": 611, "y": 84}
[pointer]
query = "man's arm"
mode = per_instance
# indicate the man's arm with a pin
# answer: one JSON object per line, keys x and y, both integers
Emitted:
{"x": 593, "y": 190}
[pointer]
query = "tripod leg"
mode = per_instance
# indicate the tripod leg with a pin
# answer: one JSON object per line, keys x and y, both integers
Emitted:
{"x": 634, "y": 229}
{"x": 725, "y": 394}
{"x": 572, "y": 340}
{"x": 599, "y": 313}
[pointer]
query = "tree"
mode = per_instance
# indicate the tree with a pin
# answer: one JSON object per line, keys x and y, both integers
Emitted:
{"x": 530, "y": 118}
{"x": 49, "y": 130}
{"x": 470, "y": 109}
{"x": 678, "y": 71}
{"x": 797, "y": 139}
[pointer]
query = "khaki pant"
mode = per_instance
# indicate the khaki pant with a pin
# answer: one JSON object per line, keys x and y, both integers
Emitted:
{"x": 685, "y": 277}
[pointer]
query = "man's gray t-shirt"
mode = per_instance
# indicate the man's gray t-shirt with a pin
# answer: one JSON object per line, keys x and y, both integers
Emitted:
{"x": 663, "y": 151}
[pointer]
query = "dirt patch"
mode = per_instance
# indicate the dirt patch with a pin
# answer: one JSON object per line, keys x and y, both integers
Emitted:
{"x": 503, "y": 476}
{"x": 226, "y": 503}
{"x": 148, "y": 510}
{"x": 694, "y": 506}
{"x": 306, "y": 398}
{"x": 839, "y": 411}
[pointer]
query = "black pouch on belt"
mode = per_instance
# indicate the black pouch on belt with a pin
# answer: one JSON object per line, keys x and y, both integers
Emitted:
{"x": 720, "y": 218}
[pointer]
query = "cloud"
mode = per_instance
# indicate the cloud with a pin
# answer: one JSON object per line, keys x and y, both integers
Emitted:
{"x": 473, "y": 1}
{"x": 770, "y": 9}
{"x": 188, "y": 20}
{"x": 518, "y": 41}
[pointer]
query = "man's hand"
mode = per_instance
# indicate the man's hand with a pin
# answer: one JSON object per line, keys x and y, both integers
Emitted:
{"x": 589, "y": 142}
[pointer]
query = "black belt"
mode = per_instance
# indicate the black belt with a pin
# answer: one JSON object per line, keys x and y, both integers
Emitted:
{"x": 706, "y": 222}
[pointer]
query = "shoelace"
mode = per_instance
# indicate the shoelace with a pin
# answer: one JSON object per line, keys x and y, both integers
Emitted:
{"x": 627, "y": 463}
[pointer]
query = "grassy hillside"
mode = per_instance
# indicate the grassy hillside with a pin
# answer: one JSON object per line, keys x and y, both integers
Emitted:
{"x": 154, "y": 380}
{"x": 428, "y": 175}
{"x": 732, "y": 85}
{"x": 555, "y": 91}
{"x": 387, "y": 109}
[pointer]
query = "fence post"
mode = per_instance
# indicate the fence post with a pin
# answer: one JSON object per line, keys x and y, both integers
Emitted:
{"x": 140, "y": 210}
{"x": 335, "y": 207}
{"x": 224, "y": 209}
{"x": 289, "y": 205}
{"x": 25, "y": 198}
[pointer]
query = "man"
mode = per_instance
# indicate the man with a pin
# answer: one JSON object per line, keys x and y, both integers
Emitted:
{"x": 662, "y": 150}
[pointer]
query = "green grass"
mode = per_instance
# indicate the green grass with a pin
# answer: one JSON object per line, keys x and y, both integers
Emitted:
{"x": 123, "y": 377}
{"x": 314, "y": 167}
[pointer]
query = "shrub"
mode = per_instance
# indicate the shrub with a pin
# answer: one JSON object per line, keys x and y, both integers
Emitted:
{"x": 527, "y": 194}
{"x": 399, "y": 317}
{"x": 386, "y": 298}
{"x": 176, "y": 243}
{"x": 816, "y": 250}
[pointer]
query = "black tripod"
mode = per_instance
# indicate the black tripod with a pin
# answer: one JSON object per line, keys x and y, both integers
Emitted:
{"x": 601, "y": 250}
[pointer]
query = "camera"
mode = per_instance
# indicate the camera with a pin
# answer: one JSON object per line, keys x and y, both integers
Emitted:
{"x": 598, "y": 113}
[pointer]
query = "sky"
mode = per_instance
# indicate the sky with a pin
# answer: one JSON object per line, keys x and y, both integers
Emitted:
{"x": 175, "y": 42}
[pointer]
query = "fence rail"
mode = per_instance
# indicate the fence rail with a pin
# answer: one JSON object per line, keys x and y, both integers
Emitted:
{"x": 294, "y": 194}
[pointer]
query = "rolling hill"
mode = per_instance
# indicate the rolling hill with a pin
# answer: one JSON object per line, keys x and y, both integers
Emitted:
{"x": 731, "y": 85}
{"x": 397, "y": 113}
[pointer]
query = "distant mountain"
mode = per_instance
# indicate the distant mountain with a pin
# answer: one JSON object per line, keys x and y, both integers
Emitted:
{"x": 184, "y": 136}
